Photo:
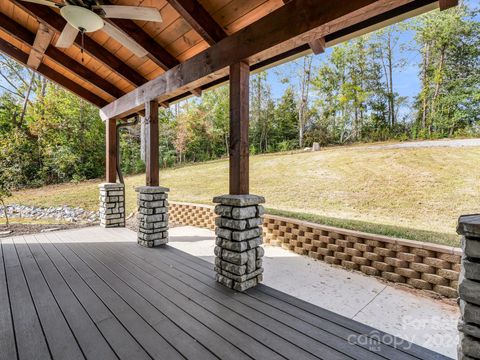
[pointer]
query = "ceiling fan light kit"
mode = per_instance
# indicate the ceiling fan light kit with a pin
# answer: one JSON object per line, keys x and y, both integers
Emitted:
{"x": 81, "y": 18}
{"x": 87, "y": 16}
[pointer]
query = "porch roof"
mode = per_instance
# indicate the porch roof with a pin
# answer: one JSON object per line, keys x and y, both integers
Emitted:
{"x": 189, "y": 31}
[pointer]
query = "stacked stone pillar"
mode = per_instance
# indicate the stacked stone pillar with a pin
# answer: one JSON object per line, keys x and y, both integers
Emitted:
{"x": 152, "y": 215}
{"x": 112, "y": 205}
{"x": 238, "y": 261}
{"x": 469, "y": 288}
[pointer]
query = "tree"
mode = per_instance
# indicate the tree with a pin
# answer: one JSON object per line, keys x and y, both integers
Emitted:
{"x": 450, "y": 71}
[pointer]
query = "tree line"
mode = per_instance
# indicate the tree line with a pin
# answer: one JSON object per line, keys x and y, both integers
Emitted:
{"x": 347, "y": 95}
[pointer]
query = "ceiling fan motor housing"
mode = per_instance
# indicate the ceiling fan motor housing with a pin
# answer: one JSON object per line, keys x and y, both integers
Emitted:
{"x": 81, "y": 18}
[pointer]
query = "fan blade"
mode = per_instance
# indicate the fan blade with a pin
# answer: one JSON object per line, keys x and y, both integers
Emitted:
{"x": 45, "y": 2}
{"x": 125, "y": 40}
{"x": 131, "y": 12}
{"x": 67, "y": 37}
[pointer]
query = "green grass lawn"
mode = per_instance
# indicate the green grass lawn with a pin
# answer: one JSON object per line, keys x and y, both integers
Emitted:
{"x": 412, "y": 193}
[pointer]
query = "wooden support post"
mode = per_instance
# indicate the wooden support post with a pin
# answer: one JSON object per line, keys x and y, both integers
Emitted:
{"x": 239, "y": 121}
{"x": 151, "y": 143}
{"x": 111, "y": 150}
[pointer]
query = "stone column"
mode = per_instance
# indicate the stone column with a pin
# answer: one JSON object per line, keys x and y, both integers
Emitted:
{"x": 112, "y": 205}
{"x": 152, "y": 215}
{"x": 469, "y": 288}
{"x": 238, "y": 261}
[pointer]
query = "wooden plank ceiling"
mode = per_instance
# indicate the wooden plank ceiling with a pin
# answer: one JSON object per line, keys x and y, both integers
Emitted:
{"x": 109, "y": 70}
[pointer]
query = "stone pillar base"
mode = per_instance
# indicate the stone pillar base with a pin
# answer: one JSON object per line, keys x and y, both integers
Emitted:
{"x": 238, "y": 261}
{"x": 152, "y": 215}
{"x": 112, "y": 205}
{"x": 469, "y": 288}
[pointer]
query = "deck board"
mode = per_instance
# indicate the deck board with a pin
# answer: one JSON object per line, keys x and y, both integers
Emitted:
{"x": 93, "y": 293}
{"x": 7, "y": 336}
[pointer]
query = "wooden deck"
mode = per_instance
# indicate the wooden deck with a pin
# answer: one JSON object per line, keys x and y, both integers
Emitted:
{"x": 93, "y": 293}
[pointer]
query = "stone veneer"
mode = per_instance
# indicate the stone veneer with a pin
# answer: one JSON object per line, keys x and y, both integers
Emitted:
{"x": 469, "y": 288}
{"x": 152, "y": 215}
{"x": 416, "y": 264}
{"x": 112, "y": 205}
{"x": 238, "y": 260}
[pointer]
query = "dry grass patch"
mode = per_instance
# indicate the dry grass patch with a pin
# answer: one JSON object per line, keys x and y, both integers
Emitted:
{"x": 415, "y": 191}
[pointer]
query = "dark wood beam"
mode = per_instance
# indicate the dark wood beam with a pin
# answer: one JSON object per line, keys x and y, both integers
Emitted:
{"x": 151, "y": 143}
{"x": 51, "y": 18}
{"x": 288, "y": 22}
{"x": 156, "y": 53}
{"x": 40, "y": 44}
{"x": 447, "y": 4}
{"x": 239, "y": 120}
{"x": 317, "y": 45}
{"x": 51, "y": 74}
{"x": 27, "y": 37}
{"x": 111, "y": 151}
{"x": 199, "y": 19}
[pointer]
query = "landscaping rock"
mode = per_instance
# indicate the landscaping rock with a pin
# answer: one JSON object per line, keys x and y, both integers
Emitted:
{"x": 64, "y": 213}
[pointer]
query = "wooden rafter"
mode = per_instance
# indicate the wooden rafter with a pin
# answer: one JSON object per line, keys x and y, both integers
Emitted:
{"x": 27, "y": 38}
{"x": 291, "y": 21}
{"x": 55, "y": 21}
{"x": 51, "y": 74}
{"x": 199, "y": 19}
{"x": 369, "y": 19}
{"x": 40, "y": 45}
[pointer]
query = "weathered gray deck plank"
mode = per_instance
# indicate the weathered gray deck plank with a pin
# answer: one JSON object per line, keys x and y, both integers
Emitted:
{"x": 7, "y": 335}
{"x": 290, "y": 329}
{"x": 117, "y": 336}
{"x": 94, "y": 293}
{"x": 246, "y": 341}
{"x": 217, "y": 345}
{"x": 325, "y": 333}
{"x": 243, "y": 323}
{"x": 31, "y": 343}
{"x": 184, "y": 343}
{"x": 60, "y": 339}
{"x": 89, "y": 337}
{"x": 144, "y": 334}
{"x": 320, "y": 314}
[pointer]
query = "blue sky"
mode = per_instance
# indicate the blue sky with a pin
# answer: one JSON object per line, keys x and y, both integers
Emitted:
{"x": 406, "y": 81}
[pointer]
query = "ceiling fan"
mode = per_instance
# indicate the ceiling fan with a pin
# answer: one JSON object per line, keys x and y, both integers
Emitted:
{"x": 85, "y": 16}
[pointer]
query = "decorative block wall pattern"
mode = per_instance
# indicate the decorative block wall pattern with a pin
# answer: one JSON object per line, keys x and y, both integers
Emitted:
{"x": 424, "y": 266}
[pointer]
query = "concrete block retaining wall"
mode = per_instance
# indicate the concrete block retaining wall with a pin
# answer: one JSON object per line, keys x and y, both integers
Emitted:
{"x": 421, "y": 265}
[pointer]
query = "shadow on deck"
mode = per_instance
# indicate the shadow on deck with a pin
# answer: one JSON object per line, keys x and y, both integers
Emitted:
{"x": 94, "y": 293}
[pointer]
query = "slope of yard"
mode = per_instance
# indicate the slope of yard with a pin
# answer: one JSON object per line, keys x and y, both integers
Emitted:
{"x": 416, "y": 193}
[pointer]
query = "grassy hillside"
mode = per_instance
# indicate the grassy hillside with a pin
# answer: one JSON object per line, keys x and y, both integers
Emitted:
{"x": 416, "y": 193}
